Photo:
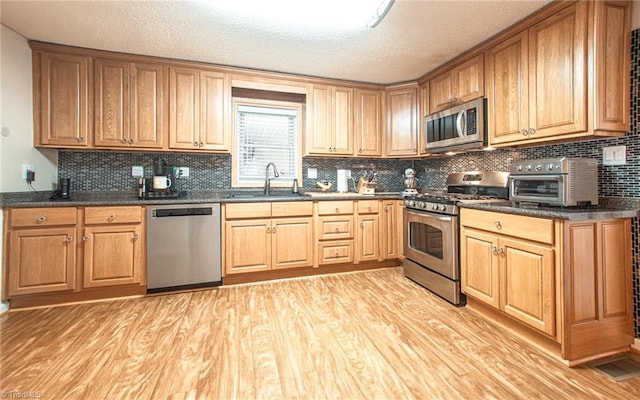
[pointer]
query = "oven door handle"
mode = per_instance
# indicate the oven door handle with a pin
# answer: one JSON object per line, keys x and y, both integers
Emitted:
{"x": 541, "y": 176}
{"x": 444, "y": 219}
{"x": 461, "y": 122}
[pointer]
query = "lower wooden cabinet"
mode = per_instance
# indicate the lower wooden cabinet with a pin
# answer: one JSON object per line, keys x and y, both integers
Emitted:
{"x": 391, "y": 229}
{"x": 335, "y": 252}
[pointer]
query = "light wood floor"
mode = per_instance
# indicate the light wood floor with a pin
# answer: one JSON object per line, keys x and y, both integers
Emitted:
{"x": 367, "y": 335}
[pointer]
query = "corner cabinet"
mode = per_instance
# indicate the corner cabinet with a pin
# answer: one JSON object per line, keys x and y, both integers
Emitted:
{"x": 535, "y": 96}
{"x": 329, "y": 121}
{"x": 568, "y": 281}
{"x": 62, "y": 99}
{"x": 402, "y": 121}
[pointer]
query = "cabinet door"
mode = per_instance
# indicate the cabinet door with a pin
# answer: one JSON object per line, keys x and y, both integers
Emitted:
{"x": 147, "y": 105}
{"x": 64, "y": 100}
{"x": 184, "y": 108}
{"x": 112, "y": 103}
{"x": 423, "y": 99}
{"x": 342, "y": 119}
{"x": 291, "y": 243}
{"x": 247, "y": 246}
{"x": 528, "y": 283}
{"x": 368, "y": 238}
{"x": 508, "y": 89}
{"x": 441, "y": 94}
{"x": 389, "y": 236}
{"x": 479, "y": 266}
{"x": 319, "y": 125}
{"x": 112, "y": 255}
{"x": 557, "y": 88}
{"x": 402, "y": 118}
{"x": 400, "y": 227}
{"x": 468, "y": 79}
{"x": 213, "y": 130}
{"x": 50, "y": 268}
{"x": 368, "y": 123}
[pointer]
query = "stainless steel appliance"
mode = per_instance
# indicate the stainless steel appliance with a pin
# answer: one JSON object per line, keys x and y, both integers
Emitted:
{"x": 409, "y": 182}
{"x": 183, "y": 247}
{"x": 431, "y": 230}
{"x": 461, "y": 127}
{"x": 561, "y": 181}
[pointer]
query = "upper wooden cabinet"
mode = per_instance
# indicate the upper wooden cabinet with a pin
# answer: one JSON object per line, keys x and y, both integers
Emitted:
{"x": 198, "y": 110}
{"x": 329, "y": 121}
{"x": 129, "y": 104}
{"x": 368, "y": 122}
{"x": 460, "y": 84}
{"x": 402, "y": 121}
{"x": 423, "y": 110}
{"x": 535, "y": 95}
{"x": 62, "y": 99}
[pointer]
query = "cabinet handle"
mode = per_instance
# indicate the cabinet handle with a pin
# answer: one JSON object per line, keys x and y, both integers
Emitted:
{"x": 41, "y": 219}
{"x": 85, "y": 238}
{"x": 501, "y": 251}
{"x": 362, "y": 225}
{"x": 111, "y": 218}
{"x": 369, "y": 209}
{"x": 273, "y": 230}
{"x": 524, "y": 132}
{"x": 532, "y": 131}
{"x": 415, "y": 150}
{"x": 136, "y": 235}
{"x": 201, "y": 144}
{"x": 195, "y": 144}
{"x": 337, "y": 254}
{"x": 268, "y": 229}
{"x": 123, "y": 140}
{"x": 498, "y": 224}
{"x": 337, "y": 230}
{"x": 494, "y": 250}
{"x": 386, "y": 208}
{"x": 132, "y": 141}
{"x": 69, "y": 239}
{"x": 360, "y": 151}
{"x": 337, "y": 210}
{"x": 80, "y": 139}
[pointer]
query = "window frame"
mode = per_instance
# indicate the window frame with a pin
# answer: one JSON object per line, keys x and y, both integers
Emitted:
{"x": 298, "y": 107}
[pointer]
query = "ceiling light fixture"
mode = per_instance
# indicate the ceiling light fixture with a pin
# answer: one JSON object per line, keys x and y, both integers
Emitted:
{"x": 381, "y": 12}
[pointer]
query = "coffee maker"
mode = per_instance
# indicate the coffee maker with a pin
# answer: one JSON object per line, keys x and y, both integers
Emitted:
{"x": 63, "y": 192}
{"x": 163, "y": 182}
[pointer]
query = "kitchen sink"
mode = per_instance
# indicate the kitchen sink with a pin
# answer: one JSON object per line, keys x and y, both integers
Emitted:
{"x": 260, "y": 195}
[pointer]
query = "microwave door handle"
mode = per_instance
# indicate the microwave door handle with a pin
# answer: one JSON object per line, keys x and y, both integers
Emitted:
{"x": 461, "y": 120}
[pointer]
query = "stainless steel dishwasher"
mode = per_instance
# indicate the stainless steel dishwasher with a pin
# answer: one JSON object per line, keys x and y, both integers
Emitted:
{"x": 183, "y": 247}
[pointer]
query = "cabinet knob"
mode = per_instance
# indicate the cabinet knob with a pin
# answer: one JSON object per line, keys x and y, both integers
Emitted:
{"x": 69, "y": 239}
{"x": 494, "y": 250}
{"x": 80, "y": 139}
{"x": 362, "y": 225}
{"x": 111, "y": 217}
{"x": 360, "y": 151}
{"x": 201, "y": 144}
{"x": 337, "y": 210}
{"x": 337, "y": 254}
{"x": 136, "y": 235}
{"x": 195, "y": 144}
{"x": 337, "y": 230}
{"x": 415, "y": 150}
{"x": 268, "y": 229}
{"x": 41, "y": 219}
{"x": 524, "y": 132}
{"x": 123, "y": 140}
{"x": 132, "y": 141}
{"x": 85, "y": 238}
{"x": 501, "y": 251}
{"x": 497, "y": 224}
{"x": 532, "y": 131}
{"x": 273, "y": 230}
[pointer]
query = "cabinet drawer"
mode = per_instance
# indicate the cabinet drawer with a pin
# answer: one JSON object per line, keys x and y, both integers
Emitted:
{"x": 530, "y": 228}
{"x": 292, "y": 209}
{"x": 25, "y": 217}
{"x": 335, "y": 227}
{"x": 335, "y": 252}
{"x": 368, "y": 206}
{"x": 112, "y": 215}
{"x": 335, "y": 207}
{"x": 248, "y": 210}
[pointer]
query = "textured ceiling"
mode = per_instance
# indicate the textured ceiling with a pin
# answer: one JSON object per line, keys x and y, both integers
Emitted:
{"x": 414, "y": 38}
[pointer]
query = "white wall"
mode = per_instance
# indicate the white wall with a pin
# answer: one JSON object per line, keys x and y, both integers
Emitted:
{"x": 16, "y": 119}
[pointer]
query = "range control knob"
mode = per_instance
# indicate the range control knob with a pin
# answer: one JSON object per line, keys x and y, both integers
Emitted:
{"x": 434, "y": 207}
{"x": 443, "y": 207}
{"x": 519, "y": 168}
{"x": 422, "y": 204}
{"x": 539, "y": 167}
{"x": 549, "y": 167}
{"x": 529, "y": 167}
{"x": 411, "y": 203}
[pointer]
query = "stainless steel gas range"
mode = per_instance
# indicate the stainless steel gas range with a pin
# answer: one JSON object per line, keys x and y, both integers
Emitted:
{"x": 431, "y": 230}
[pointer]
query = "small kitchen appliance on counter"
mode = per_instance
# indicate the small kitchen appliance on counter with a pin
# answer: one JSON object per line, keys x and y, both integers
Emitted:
{"x": 63, "y": 192}
{"x": 431, "y": 232}
{"x": 563, "y": 181}
{"x": 163, "y": 183}
{"x": 410, "y": 182}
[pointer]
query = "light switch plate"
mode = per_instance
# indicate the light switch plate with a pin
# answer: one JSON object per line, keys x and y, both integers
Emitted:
{"x": 137, "y": 171}
{"x": 312, "y": 173}
{"x": 183, "y": 172}
{"x": 614, "y": 155}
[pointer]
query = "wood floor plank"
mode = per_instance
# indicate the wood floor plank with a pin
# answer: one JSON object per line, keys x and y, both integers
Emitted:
{"x": 362, "y": 335}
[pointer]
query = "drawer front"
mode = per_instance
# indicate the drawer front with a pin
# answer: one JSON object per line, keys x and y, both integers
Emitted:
{"x": 335, "y": 207}
{"x": 248, "y": 210}
{"x": 113, "y": 215}
{"x": 335, "y": 252}
{"x": 32, "y": 217}
{"x": 292, "y": 209}
{"x": 530, "y": 228}
{"x": 330, "y": 228}
{"x": 368, "y": 206}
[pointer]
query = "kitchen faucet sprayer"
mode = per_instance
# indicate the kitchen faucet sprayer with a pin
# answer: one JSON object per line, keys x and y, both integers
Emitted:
{"x": 267, "y": 180}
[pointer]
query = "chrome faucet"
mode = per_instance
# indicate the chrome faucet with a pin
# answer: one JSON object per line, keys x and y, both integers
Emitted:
{"x": 267, "y": 180}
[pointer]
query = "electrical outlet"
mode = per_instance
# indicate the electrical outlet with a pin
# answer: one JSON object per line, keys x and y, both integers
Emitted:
{"x": 183, "y": 172}
{"x": 348, "y": 174}
{"x": 137, "y": 171}
{"x": 614, "y": 155}
{"x": 312, "y": 173}
{"x": 25, "y": 168}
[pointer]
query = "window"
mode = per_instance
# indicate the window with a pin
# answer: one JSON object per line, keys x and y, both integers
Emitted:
{"x": 266, "y": 131}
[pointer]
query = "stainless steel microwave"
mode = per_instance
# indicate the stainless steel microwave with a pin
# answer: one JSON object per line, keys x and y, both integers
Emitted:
{"x": 461, "y": 127}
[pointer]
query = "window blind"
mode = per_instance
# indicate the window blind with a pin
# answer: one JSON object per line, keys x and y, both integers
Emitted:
{"x": 266, "y": 134}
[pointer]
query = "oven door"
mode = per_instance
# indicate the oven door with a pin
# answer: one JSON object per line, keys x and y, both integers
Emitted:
{"x": 545, "y": 189}
{"x": 431, "y": 240}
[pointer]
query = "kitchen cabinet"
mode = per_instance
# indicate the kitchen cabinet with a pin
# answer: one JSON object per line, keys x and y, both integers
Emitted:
{"x": 368, "y": 123}
{"x": 129, "y": 104}
{"x": 62, "y": 99}
{"x": 268, "y": 236}
{"x": 41, "y": 250}
{"x": 458, "y": 85}
{"x": 402, "y": 121}
{"x": 367, "y": 231}
{"x": 113, "y": 246}
{"x": 198, "y": 110}
{"x": 535, "y": 96}
{"x": 330, "y": 121}
{"x": 423, "y": 111}
{"x": 335, "y": 232}
{"x": 390, "y": 229}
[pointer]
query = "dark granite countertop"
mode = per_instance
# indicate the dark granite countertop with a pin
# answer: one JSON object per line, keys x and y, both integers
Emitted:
{"x": 609, "y": 207}
{"x": 107, "y": 198}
